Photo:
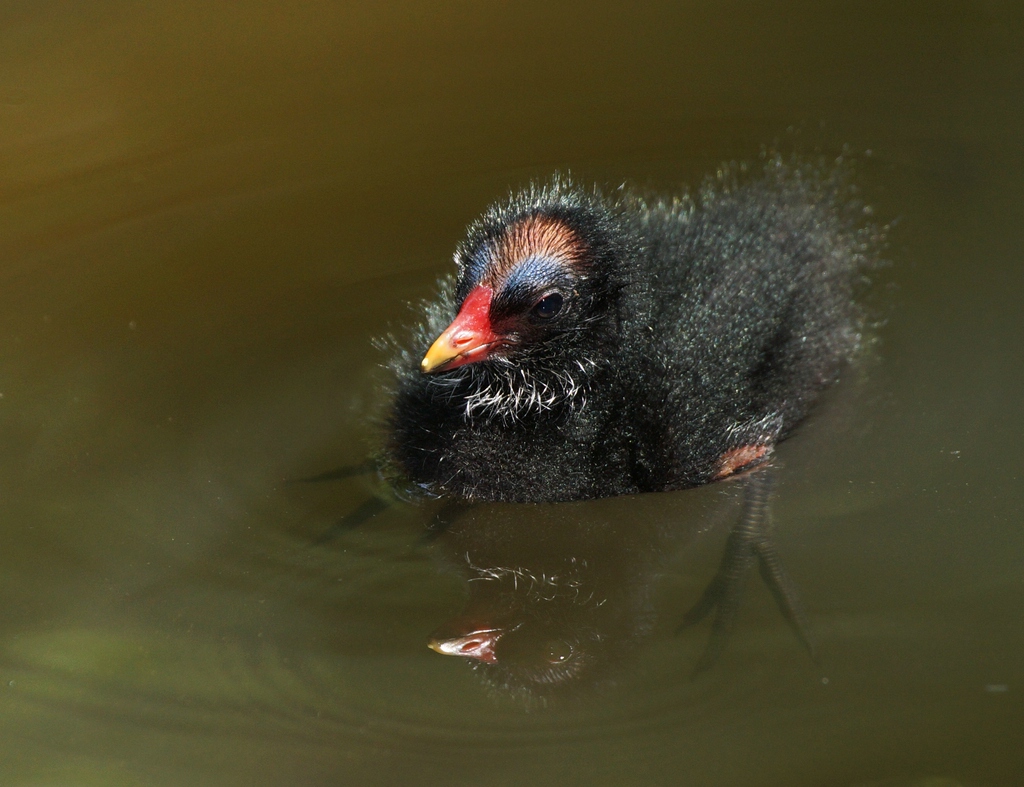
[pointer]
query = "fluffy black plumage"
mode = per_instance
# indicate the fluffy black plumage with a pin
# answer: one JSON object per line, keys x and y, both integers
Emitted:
{"x": 689, "y": 338}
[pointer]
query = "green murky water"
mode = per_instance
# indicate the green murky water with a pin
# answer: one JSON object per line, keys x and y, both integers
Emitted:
{"x": 207, "y": 212}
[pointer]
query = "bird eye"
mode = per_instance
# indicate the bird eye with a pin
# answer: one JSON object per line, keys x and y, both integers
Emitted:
{"x": 548, "y": 306}
{"x": 558, "y": 652}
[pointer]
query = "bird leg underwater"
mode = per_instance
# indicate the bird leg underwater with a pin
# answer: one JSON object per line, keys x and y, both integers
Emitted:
{"x": 353, "y": 519}
{"x": 751, "y": 541}
{"x": 366, "y": 511}
{"x": 371, "y": 507}
{"x": 438, "y": 524}
{"x": 337, "y": 474}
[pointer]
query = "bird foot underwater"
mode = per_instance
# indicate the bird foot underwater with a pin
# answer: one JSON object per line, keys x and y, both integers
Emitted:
{"x": 751, "y": 541}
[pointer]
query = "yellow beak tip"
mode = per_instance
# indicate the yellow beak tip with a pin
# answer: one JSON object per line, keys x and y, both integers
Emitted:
{"x": 437, "y": 356}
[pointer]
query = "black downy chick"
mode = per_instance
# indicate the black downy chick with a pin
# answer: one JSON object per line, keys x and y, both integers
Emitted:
{"x": 594, "y": 345}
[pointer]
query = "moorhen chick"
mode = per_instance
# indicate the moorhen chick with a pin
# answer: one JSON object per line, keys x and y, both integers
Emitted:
{"x": 595, "y": 344}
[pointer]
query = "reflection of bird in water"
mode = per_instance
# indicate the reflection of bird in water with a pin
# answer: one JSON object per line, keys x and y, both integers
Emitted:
{"x": 597, "y": 345}
{"x": 559, "y": 595}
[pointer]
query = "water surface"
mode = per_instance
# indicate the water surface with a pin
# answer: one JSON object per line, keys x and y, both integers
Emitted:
{"x": 207, "y": 213}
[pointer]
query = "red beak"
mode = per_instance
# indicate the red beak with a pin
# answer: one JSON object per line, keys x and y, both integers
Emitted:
{"x": 468, "y": 339}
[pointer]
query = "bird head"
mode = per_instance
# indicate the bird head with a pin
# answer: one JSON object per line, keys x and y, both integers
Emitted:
{"x": 536, "y": 277}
